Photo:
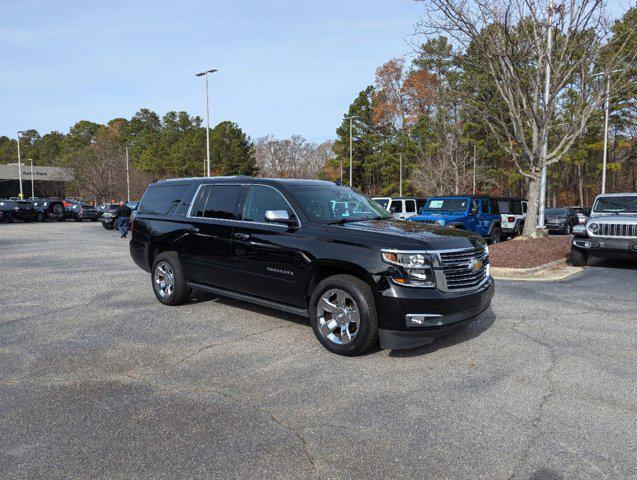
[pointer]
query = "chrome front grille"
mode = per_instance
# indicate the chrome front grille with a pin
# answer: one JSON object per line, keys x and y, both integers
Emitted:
{"x": 616, "y": 230}
{"x": 464, "y": 269}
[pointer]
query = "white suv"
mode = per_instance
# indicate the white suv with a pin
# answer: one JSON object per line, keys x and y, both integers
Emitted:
{"x": 401, "y": 208}
{"x": 513, "y": 213}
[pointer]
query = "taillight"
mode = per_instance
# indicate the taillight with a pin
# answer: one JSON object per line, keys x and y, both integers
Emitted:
{"x": 511, "y": 219}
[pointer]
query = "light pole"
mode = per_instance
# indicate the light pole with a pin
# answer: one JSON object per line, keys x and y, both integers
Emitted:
{"x": 127, "y": 177}
{"x": 32, "y": 190}
{"x": 20, "y": 166}
{"x": 474, "y": 168}
{"x": 205, "y": 74}
{"x": 606, "y": 112}
{"x": 350, "y": 148}
{"x": 400, "y": 169}
{"x": 547, "y": 87}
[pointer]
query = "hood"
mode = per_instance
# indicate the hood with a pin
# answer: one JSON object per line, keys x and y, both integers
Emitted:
{"x": 439, "y": 216}
{"x": 406, "y": 235}
{"x": 613, "y": 217}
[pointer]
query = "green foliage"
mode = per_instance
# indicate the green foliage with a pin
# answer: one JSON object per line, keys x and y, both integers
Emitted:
{"x": 231, "y": 151}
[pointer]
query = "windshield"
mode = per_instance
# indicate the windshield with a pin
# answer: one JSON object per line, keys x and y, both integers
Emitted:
{"x": 556, "y": 211}
{"x": 383, "y": 202}
{"x": 447, "y": 204}
{"x": 616, "y": 205}
{"x": 335, "y": 204}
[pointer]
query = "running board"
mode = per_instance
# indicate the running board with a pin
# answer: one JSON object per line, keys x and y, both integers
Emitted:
{"x": 249, "y": 298}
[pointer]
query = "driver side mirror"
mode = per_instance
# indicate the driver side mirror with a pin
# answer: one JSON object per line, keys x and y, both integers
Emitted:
{"x": 280, "y": 216}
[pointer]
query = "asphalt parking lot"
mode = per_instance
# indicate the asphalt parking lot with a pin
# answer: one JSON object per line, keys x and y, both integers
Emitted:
{"x": 99, "y": 380}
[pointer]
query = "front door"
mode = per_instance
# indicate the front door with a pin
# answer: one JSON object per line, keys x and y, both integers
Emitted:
{"x": 269, "y": 263}
{"x": 207, "y": 245}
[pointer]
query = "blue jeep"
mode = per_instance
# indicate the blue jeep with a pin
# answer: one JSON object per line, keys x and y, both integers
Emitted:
{"x": 467, "y": 212}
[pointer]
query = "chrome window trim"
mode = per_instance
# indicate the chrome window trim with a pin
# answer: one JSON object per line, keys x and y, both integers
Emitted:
{"x": 229, "y": 220}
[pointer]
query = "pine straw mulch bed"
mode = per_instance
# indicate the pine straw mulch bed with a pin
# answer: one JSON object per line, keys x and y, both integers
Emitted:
{"x": 529, "y": 253}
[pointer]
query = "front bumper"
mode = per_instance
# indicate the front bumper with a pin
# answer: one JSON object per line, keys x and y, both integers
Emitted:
{"x": 443, "y": 313}
{"x": 557, "y": 226}
{"x": 607, "y": 247}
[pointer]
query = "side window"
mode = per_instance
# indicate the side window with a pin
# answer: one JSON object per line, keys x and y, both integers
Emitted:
{"x": 396, "y": 206}
{"x": 494, "y": 206}
{"x": 162, "y": 200}
{"x": 524, "y": 207}
{"x": 222, "y": 202}
{"x": 485, "y": 205}
{"x": 516, "y": 207}
{"x": 410, "y": 206}
{"x": 260, "y": 199}
{"x": 505, "y": 206}
{"x": 420, "y": 203}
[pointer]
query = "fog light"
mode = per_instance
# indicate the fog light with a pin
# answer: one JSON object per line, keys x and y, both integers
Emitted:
{"x": 588, "y": 244}
{"x": 423, "y": 320}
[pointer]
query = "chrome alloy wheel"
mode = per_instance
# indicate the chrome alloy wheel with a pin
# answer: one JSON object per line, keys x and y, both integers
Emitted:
{"x": 164, "y": 279}
{"x": 338, "y": 316}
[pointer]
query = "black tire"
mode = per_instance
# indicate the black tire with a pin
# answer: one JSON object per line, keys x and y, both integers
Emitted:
{"x": 361, "y": 293}
{"x": 579, "y": 258}
{"x": 8, "y": 218}
{"x": 496, "y": 236}
{"x": 106, "y": 227}
{"x": 41, "y": 217}
{"x": 181, "y": 292}
{"x": 60, "y": 219}
{"x": 77, "y": 218}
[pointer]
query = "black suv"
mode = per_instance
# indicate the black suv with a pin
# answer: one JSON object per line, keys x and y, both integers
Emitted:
{"x": 315, "y": 249}
{"x": 48, "y": 208}
{"x": 17, "y": 210}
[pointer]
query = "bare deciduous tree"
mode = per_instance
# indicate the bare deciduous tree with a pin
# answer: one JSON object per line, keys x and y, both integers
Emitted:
{"x": 506, "y": 41}
{"x": 294, "y": 157}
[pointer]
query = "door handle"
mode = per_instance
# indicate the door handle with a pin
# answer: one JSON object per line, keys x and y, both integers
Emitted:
{"x": 193, "y": 229}
{"x": 241, "y": 236}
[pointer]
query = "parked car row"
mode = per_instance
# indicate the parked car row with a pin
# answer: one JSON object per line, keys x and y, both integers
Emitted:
{"x": 42, "y": 209}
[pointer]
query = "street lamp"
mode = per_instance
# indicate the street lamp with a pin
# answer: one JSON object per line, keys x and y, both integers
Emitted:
{"x": 350, "y": 149}
{"x": 32, "y": 190}
{"x": 127, "y": 177}
{"x": 205, "y": 74}
{"x": 606, "y": 109}
{"x": 20, "y": 165}
{"x": 400, "y": 169}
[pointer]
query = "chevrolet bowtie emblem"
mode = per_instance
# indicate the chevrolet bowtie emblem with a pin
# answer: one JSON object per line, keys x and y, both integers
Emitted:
{"x": 474, "y": 265}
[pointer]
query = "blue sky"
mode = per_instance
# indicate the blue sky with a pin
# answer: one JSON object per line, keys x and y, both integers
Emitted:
{"x": 285, "y": 67}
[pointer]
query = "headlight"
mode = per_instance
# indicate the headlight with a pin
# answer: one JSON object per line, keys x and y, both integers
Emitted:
{"x": 594, "y": 227}
{"x": 413, "y": 268}
{"x": 440, "y": 223}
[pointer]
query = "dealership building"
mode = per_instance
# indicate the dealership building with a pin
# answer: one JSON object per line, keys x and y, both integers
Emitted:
{"x": 48, "y": 182}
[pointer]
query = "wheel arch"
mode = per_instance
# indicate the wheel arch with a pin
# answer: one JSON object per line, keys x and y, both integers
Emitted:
{"x": 322, "y": 269}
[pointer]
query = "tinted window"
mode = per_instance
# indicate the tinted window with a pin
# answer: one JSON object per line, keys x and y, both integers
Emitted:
{"x": 516, "y": 207}
{"x": 383, "y": 202}
{"x": 410, "y": 206}
{"x": 485, "y": 205}
{"x": 161, "y": 200}
{"x": 218, "y": 201}
{"x": 494, "y": 206}
{"x": 505, "y": 206}
{"x": 420, "y": 203}
{"x": 396, "y": 206}
{"x": 260, "y": 199}
{"x": 524, "y": 207}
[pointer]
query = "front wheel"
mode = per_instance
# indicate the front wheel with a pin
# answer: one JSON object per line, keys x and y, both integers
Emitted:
{"x": 578, "y": 257}
{"x": 8, "y": 218}
{"x": 343, "y": 315}
{"x": 495, "y": 236}
{"x": 169, "y": 282}
{"x": 106, "y": 227}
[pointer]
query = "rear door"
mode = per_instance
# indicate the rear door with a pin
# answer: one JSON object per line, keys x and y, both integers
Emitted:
{"x": 207, "y": 245}
{"x": 396, "y": 208}
{"x": 410, "y": 209}
{"x": 269, "y": 263}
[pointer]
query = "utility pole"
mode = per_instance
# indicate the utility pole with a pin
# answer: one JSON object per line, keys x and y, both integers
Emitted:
{"x": 400, "y": 168}
{"x": 605, "y": 154}
{"x": 547, "y": 87}
{"x": 32, "y": 190}
{"x": 350, "y": 149}
{"x": 212, "y": 70}
{"x": 474, "y": 168}
{"x": 127, "y": 178}
{"x": 20, "y": 167}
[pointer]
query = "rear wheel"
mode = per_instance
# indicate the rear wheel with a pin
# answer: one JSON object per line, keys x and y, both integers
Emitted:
{"x": 169, "y": 282}
{"x": 343, "y": 315}
{"x": 106, "y": 227}
{"x": 579, "y": 258}
{"x": 41, "y": 217}
{"x": 78, "y": 218}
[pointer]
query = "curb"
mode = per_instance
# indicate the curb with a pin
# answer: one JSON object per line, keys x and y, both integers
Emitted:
{"x": 555, "y": 270}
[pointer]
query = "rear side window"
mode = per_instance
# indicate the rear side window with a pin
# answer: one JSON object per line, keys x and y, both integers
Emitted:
{"x": 260, "y": 199}
{"x": 410, "y": 206}
{"x": 217, "y": 201}
{"x": 516, "y": 207}
{"x": 494, "y": 206}
{"x": 162, "y": 200}
{"x": 505, "y": 206}
{"x": 396, "y": 206}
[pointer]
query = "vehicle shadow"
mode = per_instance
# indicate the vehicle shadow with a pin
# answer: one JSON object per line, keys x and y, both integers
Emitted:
{"x": 472, "y": 330}
{"x": 612, "y": 263}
